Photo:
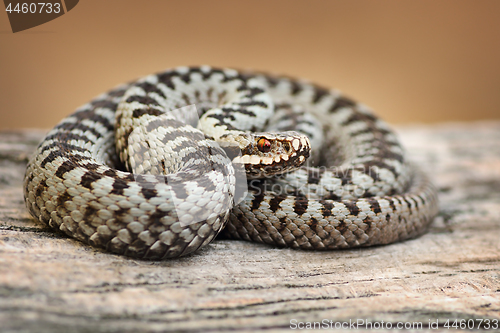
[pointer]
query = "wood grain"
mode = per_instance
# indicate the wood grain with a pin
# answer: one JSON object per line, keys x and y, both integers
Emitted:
{"x": 50, "y": 283}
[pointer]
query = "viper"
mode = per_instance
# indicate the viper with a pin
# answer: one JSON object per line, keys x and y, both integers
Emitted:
{"x": 157, "y": 167}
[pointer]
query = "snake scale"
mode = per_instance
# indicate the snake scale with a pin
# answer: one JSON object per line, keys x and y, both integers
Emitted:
{"x": 267, "y": 158}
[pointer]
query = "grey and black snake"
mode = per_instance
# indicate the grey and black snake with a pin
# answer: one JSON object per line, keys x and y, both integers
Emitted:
{"x": 156, "y": 168}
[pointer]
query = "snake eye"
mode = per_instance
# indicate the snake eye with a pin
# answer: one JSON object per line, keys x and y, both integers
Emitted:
{"x": 264, "y": 145}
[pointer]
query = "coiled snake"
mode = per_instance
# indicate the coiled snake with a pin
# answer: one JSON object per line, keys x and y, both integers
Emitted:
{"x": 137, "y": 173}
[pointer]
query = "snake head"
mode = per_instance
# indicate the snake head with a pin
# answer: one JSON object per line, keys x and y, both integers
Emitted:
{"x": 269, "y": 154}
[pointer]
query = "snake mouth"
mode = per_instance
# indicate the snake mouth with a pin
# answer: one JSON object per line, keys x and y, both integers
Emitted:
{"x": 254, "y": 160}
{"x": 267, "y": 154}
{"x": 274, "y": 154}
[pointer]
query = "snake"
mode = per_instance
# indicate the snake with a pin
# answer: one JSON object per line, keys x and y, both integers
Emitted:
{"x": 158, "y": 167}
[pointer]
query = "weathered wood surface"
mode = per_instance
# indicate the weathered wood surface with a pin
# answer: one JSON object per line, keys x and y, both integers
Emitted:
{"x": 50, "y": 283}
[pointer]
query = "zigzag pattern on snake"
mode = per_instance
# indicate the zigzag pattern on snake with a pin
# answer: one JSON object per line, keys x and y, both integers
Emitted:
{"x": 133, "y": 172}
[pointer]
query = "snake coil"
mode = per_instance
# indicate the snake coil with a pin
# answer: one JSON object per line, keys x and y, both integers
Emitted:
{"x": 135, "y": 172}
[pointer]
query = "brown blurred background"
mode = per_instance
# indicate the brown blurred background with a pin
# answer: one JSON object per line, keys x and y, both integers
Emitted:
{"x": 412, "y": 61}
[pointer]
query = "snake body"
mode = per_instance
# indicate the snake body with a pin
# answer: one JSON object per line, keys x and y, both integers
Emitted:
{"x": 135, "y": 173}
